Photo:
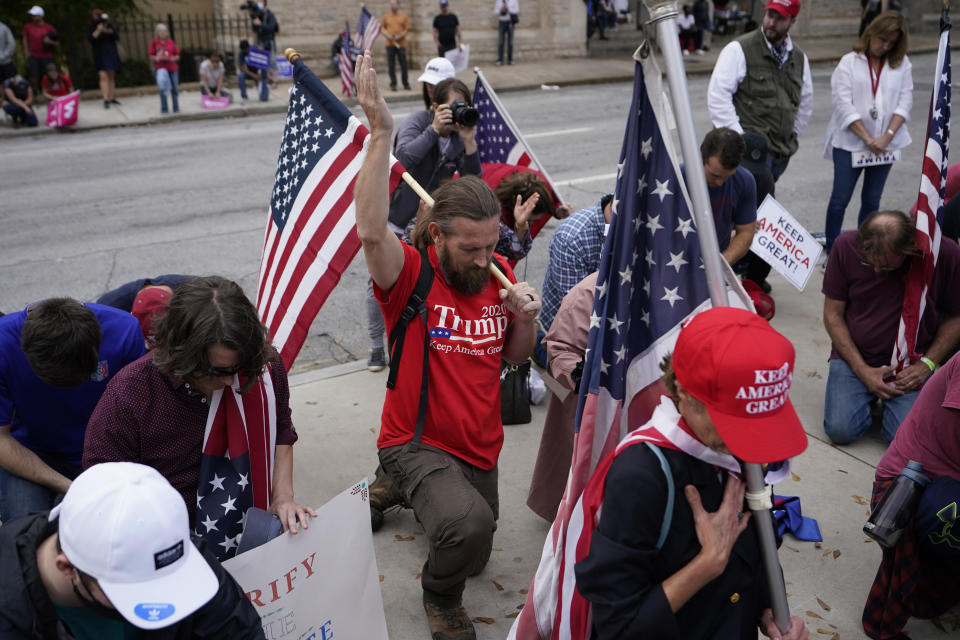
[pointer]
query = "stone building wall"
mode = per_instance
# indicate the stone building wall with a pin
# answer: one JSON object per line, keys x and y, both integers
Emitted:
{"x": 547, "y": 28}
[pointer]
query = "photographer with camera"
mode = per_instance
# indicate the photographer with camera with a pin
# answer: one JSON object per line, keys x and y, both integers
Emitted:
{"x": 265, "y": 25}
{"x": 106, "y": 58}
{"x": 433, "y": 145}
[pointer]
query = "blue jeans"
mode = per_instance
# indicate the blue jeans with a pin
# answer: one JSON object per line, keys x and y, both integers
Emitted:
{"x": 263, "y": 87}
{"x": 19, "y": 496}
{"x": 168, "y": 81}
{"x": 20, "y": 115}
{"x": 375, "y": 324}
{"x": 777, "y": 167}
{"x": 505, "y": 32}
{"x": 846, "y": 412}
{"x": 844, "y": 180}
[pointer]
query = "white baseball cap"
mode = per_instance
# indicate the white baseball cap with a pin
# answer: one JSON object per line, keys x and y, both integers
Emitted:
{"x": 436, "y": 70}
{"x": 36, "y": 10}
{"x": 123, "y": 524}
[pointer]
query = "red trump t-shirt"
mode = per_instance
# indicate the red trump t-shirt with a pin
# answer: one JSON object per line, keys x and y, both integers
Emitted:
{"x": 466, "y": 339}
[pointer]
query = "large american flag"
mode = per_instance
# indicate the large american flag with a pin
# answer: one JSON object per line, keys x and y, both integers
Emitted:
{"x": 345, "y": 64}
{"x": 498, "y": 138}
{"x": 933, "y": 184}
{"x": 368, "y": 28}
{"x": 650, "y": 279}
{"x": 236, "y": 466}
{"x": 311, "y": 233}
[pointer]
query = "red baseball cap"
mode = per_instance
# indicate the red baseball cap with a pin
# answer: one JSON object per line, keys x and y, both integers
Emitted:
{"x": 741, "y": 368}
{"x": 786, "y": 8}
{"x": 150, "y": 304}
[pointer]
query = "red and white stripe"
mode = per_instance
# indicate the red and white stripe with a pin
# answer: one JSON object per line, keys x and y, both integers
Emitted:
{"x": 927, "y": 233}
{"x": 348, "y": 84}
{"x": 301, "y": 266}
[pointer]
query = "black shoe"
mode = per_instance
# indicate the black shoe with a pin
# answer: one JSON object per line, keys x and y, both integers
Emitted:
{"x": 449, "y": 624}
{"x": 106, "y": 104}
{"x": 114, "y": 101}
{"x": 406, "y": 87}
{"x": 393, "y": 87}
{"x": 377, "y": 361}
{"x": 383, "y": 496}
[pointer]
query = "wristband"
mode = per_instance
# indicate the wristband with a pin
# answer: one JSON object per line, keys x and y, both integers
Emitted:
{"x": 930, "y": 363}
{"x": 891, "y": 132}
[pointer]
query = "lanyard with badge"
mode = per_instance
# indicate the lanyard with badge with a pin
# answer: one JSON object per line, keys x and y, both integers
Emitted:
{"x": 874, "y": 85}
{"x": 860, "y": 159}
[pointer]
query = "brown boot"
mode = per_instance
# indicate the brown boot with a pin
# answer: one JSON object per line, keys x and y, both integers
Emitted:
{"x": 449, "y": 624}
{"x": 383, "y": 495}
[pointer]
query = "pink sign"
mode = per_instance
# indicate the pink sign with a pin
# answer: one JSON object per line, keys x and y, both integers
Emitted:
{"x": 211, "y": 102}
{"x": 62, "y": 112}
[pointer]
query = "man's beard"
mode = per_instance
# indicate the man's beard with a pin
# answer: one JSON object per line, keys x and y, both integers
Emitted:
{"x": 469, "y": 282}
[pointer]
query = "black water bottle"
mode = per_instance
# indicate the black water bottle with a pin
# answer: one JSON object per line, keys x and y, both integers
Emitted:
{"x": 897, "y": 506}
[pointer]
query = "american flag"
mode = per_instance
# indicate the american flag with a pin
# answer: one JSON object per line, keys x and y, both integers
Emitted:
{"x": 650, "y": 279}
{"x": 498, "y": 138}
{"x": 368, "y": 28}
{"x": 311, "y": 233}
{"x": 236, "y": 467}
{"x": 346, "y": 60}
{"x": 933, "y": 184}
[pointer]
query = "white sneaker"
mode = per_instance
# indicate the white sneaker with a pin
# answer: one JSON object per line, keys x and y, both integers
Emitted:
{"x": 699, "y": 52}
{"x": 685, "y": 52}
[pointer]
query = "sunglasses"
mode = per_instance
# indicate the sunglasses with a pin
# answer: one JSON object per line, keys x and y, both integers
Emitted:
{"x": 221, "y": 372}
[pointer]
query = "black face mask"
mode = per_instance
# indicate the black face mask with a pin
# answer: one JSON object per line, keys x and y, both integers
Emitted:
{"x": 97, "y": 608}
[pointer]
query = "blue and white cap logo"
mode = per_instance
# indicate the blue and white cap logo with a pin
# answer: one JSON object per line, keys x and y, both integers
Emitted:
{"x": 154, "y": 611}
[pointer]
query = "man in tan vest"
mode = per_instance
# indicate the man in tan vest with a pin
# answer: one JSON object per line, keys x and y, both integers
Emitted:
{"x": 762, "y": 83}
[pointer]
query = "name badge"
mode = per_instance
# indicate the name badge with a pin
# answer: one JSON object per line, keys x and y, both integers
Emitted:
{"x": 867, "y": 159}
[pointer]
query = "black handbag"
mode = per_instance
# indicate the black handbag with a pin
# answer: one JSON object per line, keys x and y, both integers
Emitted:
{"x": 514, "y": 18}
{"x": 515, "y": 393}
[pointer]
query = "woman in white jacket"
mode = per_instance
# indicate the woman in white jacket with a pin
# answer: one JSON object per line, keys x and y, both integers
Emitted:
{"x": 872, "y": 91}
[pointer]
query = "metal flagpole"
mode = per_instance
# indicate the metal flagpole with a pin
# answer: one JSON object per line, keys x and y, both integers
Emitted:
{"x": 516, "y": 130}
{"x": 663, "y": 13}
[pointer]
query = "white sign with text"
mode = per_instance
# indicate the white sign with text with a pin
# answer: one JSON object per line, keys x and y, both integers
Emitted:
{"x": 868, "y": 159}
{"x": 784, "y": 244}
{"x": 321, "y": 583}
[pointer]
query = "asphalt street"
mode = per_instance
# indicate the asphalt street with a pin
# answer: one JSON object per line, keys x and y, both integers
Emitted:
{"x": 84, "y": 212}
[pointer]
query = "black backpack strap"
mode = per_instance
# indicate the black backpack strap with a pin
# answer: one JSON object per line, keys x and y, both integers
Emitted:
{"x": 416, "y": 304}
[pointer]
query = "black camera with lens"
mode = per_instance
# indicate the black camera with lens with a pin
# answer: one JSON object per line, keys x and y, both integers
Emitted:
{"x": 251, "y": 8}
{"x": 464, "y": 114}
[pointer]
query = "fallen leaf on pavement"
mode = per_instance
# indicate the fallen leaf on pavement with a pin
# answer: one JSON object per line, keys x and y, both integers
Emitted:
{"x": 859, "y": 499}
{"x": 512, "y": 614}
{"x": 401, "y": 538}
{"x": 817, "y": 545}
{"x": 485, "y": 620}
{"x": 836, "y": 553}
{"x": 498, "y": 586}
{"x": 823, "y": 604}
{"x": 795, "y": 477}
{"x": 381, "y": 577}
{"x": 524, "y": 591}
{"x": 814, "y": 614}
{"x": 825, "y": 632}
{"x": 794, "y": 549}
{"x": 827, "y": 552}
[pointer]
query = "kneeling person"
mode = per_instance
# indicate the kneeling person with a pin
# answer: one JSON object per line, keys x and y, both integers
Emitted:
{"x": 441, "y": 457}
{"x": 114, "y": 558}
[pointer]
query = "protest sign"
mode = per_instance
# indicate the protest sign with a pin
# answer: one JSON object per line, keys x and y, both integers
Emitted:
{"x": 284, "y": 68}
{"x": 459, "y": 58}
{"x": 867, "y": 159}
{"x": 257, "y": 58}
{"x": 214, "y": 102}
{"x": 321, "y": 583}
{"x": 62, "y": 112}
{"x": 784, "y": 244}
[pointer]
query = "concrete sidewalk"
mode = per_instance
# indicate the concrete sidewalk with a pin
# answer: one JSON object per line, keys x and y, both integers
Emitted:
{"x": 141, "y": 105}
{"x": 337, "y": 415}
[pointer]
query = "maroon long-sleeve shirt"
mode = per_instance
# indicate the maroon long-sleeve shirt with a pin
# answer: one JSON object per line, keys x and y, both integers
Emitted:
{"x": 158, "y": 420}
